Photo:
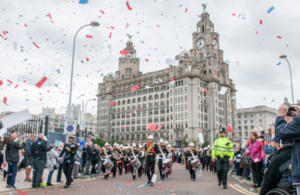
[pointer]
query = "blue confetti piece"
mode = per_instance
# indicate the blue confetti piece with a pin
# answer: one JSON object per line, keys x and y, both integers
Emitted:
{"x": 102, "y": 74}
{"x": 21, "y": 50}
{"x": 27, "y": 100}
{"x": 20, "y": 15}
{"x": 21, "y": 46}
{"x": 77, "y": 74}
{"x": 145, "y": 184}
{"x": 199, "y": 16}
{"x": 17, "y": 24}
{"x": 138, "y": 32}
{"x": 39, "y": 143}
{"x": 53, "y": 42}
{"x": 69, "y": 161}
{"x": 117, "y": 185}
{"x": 106, "y": 129}
{"x": 278, "y": 63}
{"x": 37, "y": 158}
{"x": 271, "y": 9}
{"x": 25, "y": 60}
{"x": 56, "y": 85}
{"x": 244, "y": 18}
{"x": 155, "y": 48}
{"x": 81, "y": 61}
{"x": 180, "y": 5}
{"x": 11, "y": 194}
{"x": 142, "y": 20}
{"x": 58, "y": 71}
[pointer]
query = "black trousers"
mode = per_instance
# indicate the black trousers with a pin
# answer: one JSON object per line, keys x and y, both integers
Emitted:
{"x": 126, "y": 166}
{"x": 208, "y": 164}
{"x": 83, "y": 164}
{"x": 192, "y": 172}
{"x": 140, "y": 169}
{"x": 256, "y": 172}
{"x": 114, "y": 169}
{"x": 161, "y": 169}
{"x": 120, "y": 167}
{"x": 147, "y": 168}
{"x": 103, "y": 169}
{"x": 68, "y": 169}
{"x": 93, "y": 171}
{"x": 222, "y": 168}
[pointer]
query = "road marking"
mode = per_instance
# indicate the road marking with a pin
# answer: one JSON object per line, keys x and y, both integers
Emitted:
{"x": 236, "y": 185}
{"x": 243, "y": 191}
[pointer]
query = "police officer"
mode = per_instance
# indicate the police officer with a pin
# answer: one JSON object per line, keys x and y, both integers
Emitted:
{"x": 190, "y": 155}
{"x": 151, "y": 149}
{"x": 224, "y": 152}
{"x": 69, "y": 152}
{"x": 162, "y": 153}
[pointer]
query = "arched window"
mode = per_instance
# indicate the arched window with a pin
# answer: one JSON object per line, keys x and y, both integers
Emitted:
{"x": 128, "y": 101}
{"x": 156, "y": 97}
{"x": 133, "y": 100}
{"x": 123, "y": 102}
{"x": 144, "y": 98}
{"x": 150, "y": 97}
{"x": 139, "y": 99}
{"x": 162, "y": 95}
{"x": 119, "y": 103}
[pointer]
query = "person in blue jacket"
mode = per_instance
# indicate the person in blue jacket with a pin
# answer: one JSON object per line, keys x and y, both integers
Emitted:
{"x": 287, "y": 128}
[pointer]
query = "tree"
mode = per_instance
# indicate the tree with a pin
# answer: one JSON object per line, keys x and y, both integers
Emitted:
{"x": 206, "y": 143}
{"x": 184, "y": 142}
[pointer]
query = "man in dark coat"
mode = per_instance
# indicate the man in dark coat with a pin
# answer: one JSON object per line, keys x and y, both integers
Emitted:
{"x": 83, "y": 156}
{"x": 89, "y": 157}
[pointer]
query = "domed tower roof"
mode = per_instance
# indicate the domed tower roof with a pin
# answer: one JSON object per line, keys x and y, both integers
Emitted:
{"x": 181, "y": 54}
{"x": 129, "y": 46}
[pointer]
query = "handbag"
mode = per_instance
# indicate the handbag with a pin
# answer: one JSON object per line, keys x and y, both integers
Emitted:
{"x": 56, "y": 166}
{"x": 247, "y": 161}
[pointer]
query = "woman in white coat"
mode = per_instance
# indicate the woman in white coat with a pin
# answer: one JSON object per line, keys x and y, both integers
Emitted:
{"x": 51, "y": 161}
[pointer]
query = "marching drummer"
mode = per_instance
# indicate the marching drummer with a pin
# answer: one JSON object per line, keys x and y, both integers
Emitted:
{"x": 121, "y": 164}
{"x": 106, "y": 156}
{"x": 162, "y": 155}
{"x": 191, "y": 154}
{"x": 133, "y": 154}
{"x": 125, "y": 157}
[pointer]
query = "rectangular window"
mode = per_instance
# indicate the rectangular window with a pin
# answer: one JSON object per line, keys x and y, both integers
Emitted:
{"x": 144, "y": 120}
{"x": 186, "y": 98}
{"x": 186, "y": 89}
{"x": 186, "y": 115}
{"x": 186, "y": 106}
{"x": 138, "y": 121}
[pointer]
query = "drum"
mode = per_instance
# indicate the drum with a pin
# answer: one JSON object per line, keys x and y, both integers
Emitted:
{"x": 136, "y": 163}
{"x": 108, "y": 165}
{"x": 167, "y": 163}
{"x": 196, "y": 164}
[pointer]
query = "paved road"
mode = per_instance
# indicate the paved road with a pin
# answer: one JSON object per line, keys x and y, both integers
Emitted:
{"x": 179, "y": 183}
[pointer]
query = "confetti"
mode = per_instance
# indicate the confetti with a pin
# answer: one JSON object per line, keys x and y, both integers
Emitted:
{"x": 186, "y": 10}
{"x": 128, "y": 6}
{"x": 124, "y": 52}
{"x": 49, "y": 15}
{"x": 89, "y": 36}
{"x": 102, "y": 12}
{"x": 110, "y": 35}
{"x": 147, "y": 60}
{"x": 135, "y": 88}
{"x": 233, "y": 14}
{"x": 41, "y": 82}
{"x": 271, "y": 9}
{"x": 1, "y": 82}
{"x": 21, "y": 192}
{"x": 260, "y": 21}
{"x": 278, "y": 63}
{"x": 4, "y": 100}
{"x": 151, "y": 126}
{"x": 9, "y": 81}
{"x": 35, "y": 45}
{"x": 83, "y": 1}
{"x": 279, "y": 37}
{"x": 113, "y": 103}
{"x": 237, "y": 63}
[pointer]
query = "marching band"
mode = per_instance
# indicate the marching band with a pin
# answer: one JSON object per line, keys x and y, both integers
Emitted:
{"x": 145, "y": 158}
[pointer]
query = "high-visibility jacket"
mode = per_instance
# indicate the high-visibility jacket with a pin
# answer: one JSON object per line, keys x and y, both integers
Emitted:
{"x": 222, "y": 147}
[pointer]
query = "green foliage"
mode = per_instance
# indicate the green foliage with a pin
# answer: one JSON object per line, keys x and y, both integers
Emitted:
{"x": 195, "y": 143}
{"x": 205, "y": 144}
{"x": 184, "y": 142}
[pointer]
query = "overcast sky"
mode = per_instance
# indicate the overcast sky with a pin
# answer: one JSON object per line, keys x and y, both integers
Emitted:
{"x": 254, "y": 46}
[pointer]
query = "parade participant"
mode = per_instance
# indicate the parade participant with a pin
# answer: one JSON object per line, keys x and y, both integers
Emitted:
{"x": 204, "y": 158}
{"x": 185, "y": 158}
{"x": 151, "y": 149}
{"x": 106, "y": 153}
{"x": 170, "y": 156}
{"x": 128, "y": 159}
{"x": 162, "y": 154}
{"x": 125, "y": 159}
{"x": 141, "y": 157}
{"x": 121, "y": 164}
{"x": 69, "y": 152}
{"x": 223, "y": 150}
{"x": 115, "y": 157}
{"x": 191, "y": 154}
{"x": 133, "y": 154}
{"x": 200, "y": 156}
{"x": 208, "y": 158}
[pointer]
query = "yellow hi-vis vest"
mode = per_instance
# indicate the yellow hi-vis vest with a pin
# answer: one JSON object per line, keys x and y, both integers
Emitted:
{"x": 223, "y": 147}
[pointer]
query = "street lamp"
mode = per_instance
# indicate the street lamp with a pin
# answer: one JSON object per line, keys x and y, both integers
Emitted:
{"x": 211, "y": 123}
{"x": 285, "y": 57}
{"x": 84, "y": 116}
{"x": 243, "y": 136}
{"x": 71, "y": 81}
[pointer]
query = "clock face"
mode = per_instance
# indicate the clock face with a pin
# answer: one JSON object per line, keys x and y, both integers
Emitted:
{"x": 215, "y": 44}
{"x": 200, "y": 44}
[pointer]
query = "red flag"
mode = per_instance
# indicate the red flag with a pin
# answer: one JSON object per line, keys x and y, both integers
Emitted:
{"x": 4, "y": 100}
{"x": 41, "y": 82}
{"x": 1, "y": 82}
{"x": 229, "y": 129}
{"x": 260, "y": 21}
{"x": 151, "y": 126}
{"x": 113, "y": 103}
{"x": 88, "y": 36}
{"x": 9, "y": 81}
{"x": 134, "y": 88}
{"x": 124, "y": 52}
{"x": 128, "y": 6}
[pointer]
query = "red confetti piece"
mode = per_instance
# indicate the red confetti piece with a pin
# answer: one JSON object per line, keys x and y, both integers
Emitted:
{"x": 237, "y": 63}
{"x": 87, "y": 59}
{"x": 112, "y": 27}
{"x": 46, "y": 192}
{"x": 134, "y": 88}
{"x": 286, "y": 45}
{"x": 124, "y": 53}
{"x": 4, "y": 100}
{"x": 147, "y": 60}
{"x": 16, "y": 86}
{"x": 1, "y": 82}
{"x": 233, "y": 14}
{"x": 9, "y": 81}
{"x": 49, "y": 15}
{"x": 1, "y": 36}
{"x": 110, "y": 35}
{"x": 102, "y": 12}
{"x": 128, "y": 6}
{"x": 279, "y": 37}
{"x": 36, "y": 45}
{"x": 205, "y": 90}
{"x": 171, "y": 184}
{"x": 185, "y": 10}
{"x": 113, "y": 103}
{"x": 256, "y": 32}
{"x": 158, "y": 26}
{"x": 21, "y": 192}
{"x": 25, "y": 25}
{"x": 172, "y": 79}
{"x": 260, "y": 21}
{"x": 89, "y": 36}
{"x": 41, "y": 82}
{"x": 151, "y": 126}
{"x": 128, "y": 181}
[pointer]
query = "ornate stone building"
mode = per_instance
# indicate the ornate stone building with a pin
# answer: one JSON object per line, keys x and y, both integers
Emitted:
{"x": 174, "y": 98}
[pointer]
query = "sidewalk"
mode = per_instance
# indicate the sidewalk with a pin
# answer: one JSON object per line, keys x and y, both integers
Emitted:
{"x": 244, "y": 181}
{"x": 21, "y": 185}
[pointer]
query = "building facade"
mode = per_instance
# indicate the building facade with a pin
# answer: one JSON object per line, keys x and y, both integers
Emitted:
{"x": 173, "y": 98}
{"x": 260, "y": 117}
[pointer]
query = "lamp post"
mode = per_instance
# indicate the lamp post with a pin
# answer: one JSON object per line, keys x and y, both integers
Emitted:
{"x": 211, "y": 123}
{"x": 71, "y": 81}
{"x": 243, "y": 136}
{"x": 86, "y": 112}
{"x": 285, "y": 57}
